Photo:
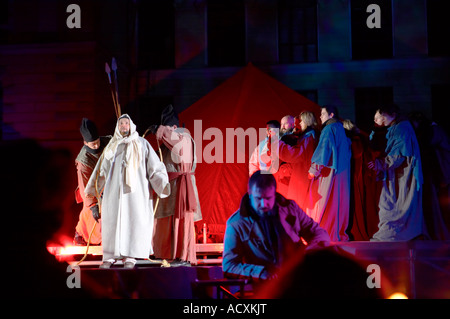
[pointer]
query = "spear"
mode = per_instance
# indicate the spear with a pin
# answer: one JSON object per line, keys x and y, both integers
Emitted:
{"x": 116, "y": 86}
{"x": 115, "y": 98}
{"x": 108, "y": 71}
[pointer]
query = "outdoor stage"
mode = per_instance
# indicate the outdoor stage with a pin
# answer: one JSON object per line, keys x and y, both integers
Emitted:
{"x": 418, "y": 269}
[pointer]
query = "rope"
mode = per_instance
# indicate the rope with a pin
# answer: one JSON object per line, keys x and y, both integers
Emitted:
{"x": 88, "y": 243}
{"x": 157, "y": 199}
{"x": 97, "y": 195}
{"x": 164, "y": 262}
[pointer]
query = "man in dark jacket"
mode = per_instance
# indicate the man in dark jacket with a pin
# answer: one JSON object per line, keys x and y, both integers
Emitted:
{"x": 265, "y": 229}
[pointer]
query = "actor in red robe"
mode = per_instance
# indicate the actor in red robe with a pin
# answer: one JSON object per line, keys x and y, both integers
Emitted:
{"x": 299, "y": 157}
{"x": 174, "y": 236}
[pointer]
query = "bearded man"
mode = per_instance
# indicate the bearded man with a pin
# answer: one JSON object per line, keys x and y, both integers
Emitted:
{"x": 126, "y": 175}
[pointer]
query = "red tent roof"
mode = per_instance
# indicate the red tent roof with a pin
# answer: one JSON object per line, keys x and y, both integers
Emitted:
{"x": 248, "y": 99}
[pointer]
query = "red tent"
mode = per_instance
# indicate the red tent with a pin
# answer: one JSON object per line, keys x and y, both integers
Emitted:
{"x": 247, "y": 100}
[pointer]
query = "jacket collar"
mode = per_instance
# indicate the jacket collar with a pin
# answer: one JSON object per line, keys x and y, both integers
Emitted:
{"x": 329, "y": 121}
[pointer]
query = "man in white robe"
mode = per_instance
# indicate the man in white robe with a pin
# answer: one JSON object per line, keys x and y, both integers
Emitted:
{"x": 126, "y": 174}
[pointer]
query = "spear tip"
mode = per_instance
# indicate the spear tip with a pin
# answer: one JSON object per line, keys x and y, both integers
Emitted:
{"x": 113, "y": 64}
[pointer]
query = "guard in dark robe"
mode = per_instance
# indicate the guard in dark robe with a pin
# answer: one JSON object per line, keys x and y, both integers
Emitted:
{"x": 85, "y": 163}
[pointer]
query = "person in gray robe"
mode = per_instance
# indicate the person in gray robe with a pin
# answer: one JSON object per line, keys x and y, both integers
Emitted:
{"x": 401, "y": 215}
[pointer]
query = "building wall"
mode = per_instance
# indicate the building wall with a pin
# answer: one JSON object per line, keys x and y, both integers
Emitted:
{"x": 52, "y": 76}
{"x": 108, "y": 27}
{"x": 46, "y": 91}
{"x": 411, "y": 72}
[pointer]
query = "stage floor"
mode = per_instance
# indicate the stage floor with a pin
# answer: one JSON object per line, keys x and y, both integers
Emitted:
{"x": 418, "y": 269}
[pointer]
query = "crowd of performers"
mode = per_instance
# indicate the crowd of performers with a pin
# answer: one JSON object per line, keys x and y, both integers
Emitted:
{"x": 116, "y": 179}
{"x": 391, "y": 185}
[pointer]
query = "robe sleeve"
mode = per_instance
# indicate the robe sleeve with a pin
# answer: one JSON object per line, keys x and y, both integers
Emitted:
{"x": 157, "y": 173}
{"x": 291, "y": 154}
{"x": 180, "y": 145}
{"x": 168, "y": 136}
{"x": 401, "y": 144}
{"x": 323, "y": 153}
{"x": 400, "y": 140}
{"x": 315, "y": 169}
{"x": 253, "y": 164}
{"x": 97, "y": 181}
{"x": 260, "y": 160}
{"x": 389, "y": 162}
{"x": 83, "y": 174}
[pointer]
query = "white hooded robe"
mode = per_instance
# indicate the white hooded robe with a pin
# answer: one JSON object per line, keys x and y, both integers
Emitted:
{"x": 127, "y": 206}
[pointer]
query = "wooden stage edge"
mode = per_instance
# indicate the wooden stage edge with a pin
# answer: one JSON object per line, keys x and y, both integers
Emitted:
{"x": 419, "y": 269}
{"x": 211, "y": 253}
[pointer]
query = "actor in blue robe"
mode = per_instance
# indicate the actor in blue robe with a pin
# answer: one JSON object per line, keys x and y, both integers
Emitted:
{"x": 330, "y": 169}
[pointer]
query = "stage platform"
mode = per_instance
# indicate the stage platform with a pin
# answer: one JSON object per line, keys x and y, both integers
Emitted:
{"x": 418, "y": 269}
{"x": 207, "y": 254}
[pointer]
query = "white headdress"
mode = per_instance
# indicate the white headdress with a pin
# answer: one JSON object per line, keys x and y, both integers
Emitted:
{"x": 133, "y": 151}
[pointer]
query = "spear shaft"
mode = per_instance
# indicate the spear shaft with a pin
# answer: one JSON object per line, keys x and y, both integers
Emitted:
{"x": 108, "y": 72}
{"x": 116, "y": 86}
